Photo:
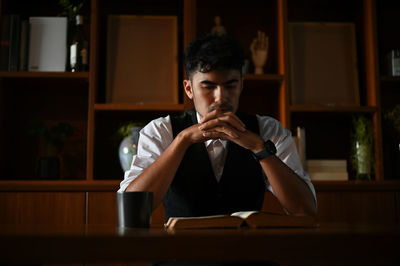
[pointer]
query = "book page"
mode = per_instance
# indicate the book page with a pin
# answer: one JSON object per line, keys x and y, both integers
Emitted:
{"x": 244, "y": 214}
{"x": 215, "y": 221}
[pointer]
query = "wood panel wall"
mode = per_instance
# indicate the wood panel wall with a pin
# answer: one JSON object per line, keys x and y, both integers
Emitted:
{"x": 42, "y": 208}
{"x": 101, "y": 208}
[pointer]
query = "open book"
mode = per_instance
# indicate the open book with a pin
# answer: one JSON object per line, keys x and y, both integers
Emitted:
{"x": 253, "y": 219}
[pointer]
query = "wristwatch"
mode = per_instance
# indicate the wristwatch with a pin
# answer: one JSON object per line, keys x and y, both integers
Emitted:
{"x": 269, "y": 149}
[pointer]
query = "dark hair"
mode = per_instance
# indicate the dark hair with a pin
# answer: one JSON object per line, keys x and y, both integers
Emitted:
{"x": 213, "y": 52}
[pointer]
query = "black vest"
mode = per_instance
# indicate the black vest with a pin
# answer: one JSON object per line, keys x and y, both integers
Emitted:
{"x": 195, "y": 190}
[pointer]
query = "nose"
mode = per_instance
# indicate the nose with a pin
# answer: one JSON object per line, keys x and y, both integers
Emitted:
{"x": 219, "y": 94}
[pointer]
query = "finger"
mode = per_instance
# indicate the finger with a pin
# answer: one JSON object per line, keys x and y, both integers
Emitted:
{"x": 229, "y": 131}
{"x": 210, "y": 115}
{"x": 233, "y": 116}
{"x": 228, "y": 120}
{"x": 218, "y": 135}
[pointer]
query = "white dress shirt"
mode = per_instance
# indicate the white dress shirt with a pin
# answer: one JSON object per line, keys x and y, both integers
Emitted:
{"x": 156, "y": 136}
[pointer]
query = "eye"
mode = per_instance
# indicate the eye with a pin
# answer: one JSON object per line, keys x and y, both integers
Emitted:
{"x": 209, "y": 87}
{"x": 231, "y": 87}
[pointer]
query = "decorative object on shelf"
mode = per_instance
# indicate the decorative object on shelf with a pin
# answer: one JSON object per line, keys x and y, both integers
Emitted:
{"x": 392, "y": 118}
{"x": 54, "y": 136}
{"x": 361, "y": 156}
{"x": 259, "y": 52}
{"x": 128, "y": 146}
{"x": 78, "y": 48}
{"x": 70, "y": 9}
{"x": 218, "y": 29}
{"x": 393, "y": 62}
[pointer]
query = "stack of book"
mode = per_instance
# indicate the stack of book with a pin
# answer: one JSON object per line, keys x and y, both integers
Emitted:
{"x": 327, "y": 170}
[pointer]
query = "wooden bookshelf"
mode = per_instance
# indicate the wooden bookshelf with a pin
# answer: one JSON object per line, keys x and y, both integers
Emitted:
{"x": 268, "y": 94}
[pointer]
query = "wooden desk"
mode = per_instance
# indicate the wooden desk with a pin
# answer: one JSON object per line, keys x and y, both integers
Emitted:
{"x": 102, "y": 243}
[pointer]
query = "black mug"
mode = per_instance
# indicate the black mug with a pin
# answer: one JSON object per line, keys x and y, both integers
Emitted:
{"x": 134, "y": 208}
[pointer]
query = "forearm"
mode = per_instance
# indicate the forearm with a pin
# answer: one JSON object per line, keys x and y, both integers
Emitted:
{"x": 159, "y": 175}
{"x": 292, "y": 192}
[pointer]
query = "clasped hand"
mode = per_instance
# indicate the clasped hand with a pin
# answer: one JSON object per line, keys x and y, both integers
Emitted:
{"x": 227, "y": 126}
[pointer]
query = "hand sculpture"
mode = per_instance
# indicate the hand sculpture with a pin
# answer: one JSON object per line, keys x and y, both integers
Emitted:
{"x": 259, "y": 51}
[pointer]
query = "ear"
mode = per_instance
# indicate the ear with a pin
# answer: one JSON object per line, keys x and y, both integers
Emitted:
{"x": 187, "y": 85}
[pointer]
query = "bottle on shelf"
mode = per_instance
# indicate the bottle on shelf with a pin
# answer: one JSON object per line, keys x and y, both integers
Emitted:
{"x": 79, "y": 48}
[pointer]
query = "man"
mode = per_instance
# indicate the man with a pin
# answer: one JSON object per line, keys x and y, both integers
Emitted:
{"x": 213, "y": 160}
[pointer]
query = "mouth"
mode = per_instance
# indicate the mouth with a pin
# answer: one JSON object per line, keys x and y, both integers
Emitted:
{"x": 224, "y": 107}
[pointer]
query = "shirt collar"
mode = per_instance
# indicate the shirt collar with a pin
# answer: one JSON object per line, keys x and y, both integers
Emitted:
{"x": 208, "y": 142}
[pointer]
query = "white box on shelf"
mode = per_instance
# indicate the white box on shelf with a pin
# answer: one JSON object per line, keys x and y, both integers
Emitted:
{"x": 47, "y": 44}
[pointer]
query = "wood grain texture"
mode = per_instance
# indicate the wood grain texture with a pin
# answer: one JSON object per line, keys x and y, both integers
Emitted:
{"x": 362, "y": 207}
{"x": 94, "y": 243}
{"x": 42, "y": 208}
{"x": 102, "y": 209}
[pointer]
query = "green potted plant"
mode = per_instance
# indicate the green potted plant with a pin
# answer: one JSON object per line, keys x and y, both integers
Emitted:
{"x": 70, "y": 9}
{"x": 361, "y": 155}
{"x": 54, "y": 137}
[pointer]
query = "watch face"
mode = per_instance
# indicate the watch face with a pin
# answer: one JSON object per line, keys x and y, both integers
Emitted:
{"x": 270, "y": 146}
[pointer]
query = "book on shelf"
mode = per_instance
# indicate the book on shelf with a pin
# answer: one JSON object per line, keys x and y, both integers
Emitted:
{"x": 329, "y": 176}
{"x": 24, "y": 46}
{"x": 252, "y": 219}
{"x": 301, "y": 145}
{"x": 10, "y": 42}
{"x": 334, "y": 170}
{"x": 327, "y": 165}
{"x": 4, "y": 42}
{"x": 48, "y": 44}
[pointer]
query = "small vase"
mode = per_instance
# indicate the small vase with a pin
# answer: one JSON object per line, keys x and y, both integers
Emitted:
{"x": 128, "y": 148}
{"x": 363, "y": 160}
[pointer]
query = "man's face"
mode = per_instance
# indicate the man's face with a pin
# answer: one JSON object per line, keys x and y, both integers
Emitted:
{"x": 215, "y": 89}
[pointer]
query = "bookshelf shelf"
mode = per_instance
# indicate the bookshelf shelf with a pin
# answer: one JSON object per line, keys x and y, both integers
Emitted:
{"x": 138, "y": 107}
{"x": 62, "y": 75}
{"x": 333, "y": 109}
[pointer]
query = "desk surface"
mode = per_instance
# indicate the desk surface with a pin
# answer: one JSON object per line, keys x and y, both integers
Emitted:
{"x": 103, "y": 243}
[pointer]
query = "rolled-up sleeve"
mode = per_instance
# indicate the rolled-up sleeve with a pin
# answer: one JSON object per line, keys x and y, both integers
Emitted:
{"x": 286, "y": 148}
{"x": 154, "y": 139}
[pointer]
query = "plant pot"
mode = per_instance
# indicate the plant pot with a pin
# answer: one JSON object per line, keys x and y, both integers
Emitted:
{"x": 363, "y": 160}
{"x": 49, "y": 168}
